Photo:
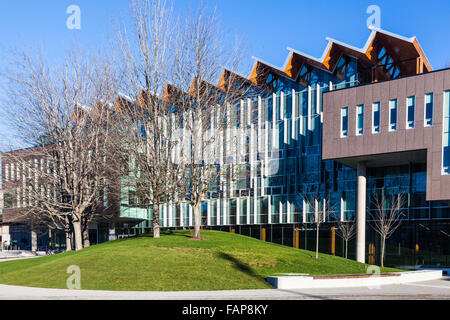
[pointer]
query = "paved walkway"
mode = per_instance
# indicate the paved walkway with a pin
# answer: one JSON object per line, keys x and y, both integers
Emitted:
{"x": 436, "y": 289}
{"x": 8, "y": 258}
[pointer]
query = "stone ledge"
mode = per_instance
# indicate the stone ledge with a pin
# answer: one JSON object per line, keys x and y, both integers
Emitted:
{"x": 353, "y": 276}
{"x": 338, "y": 281}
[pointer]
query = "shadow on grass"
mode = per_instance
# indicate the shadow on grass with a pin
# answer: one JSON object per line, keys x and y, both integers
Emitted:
{"x": 166, "y": 233}
{"x": 241, "y": 266}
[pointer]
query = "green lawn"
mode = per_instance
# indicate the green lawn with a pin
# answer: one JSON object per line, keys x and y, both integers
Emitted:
{"x": 174, "y": 262}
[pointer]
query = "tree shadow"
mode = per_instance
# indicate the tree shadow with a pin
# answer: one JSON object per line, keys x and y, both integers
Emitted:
{"x": 241, "y": 266}
{"x": 176, "y": 234}
{"x": 165, "y": 233}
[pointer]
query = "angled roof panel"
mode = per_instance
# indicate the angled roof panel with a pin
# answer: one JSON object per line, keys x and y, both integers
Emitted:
{"x": 260, "y": 66}
{"x": 404, "y": 48}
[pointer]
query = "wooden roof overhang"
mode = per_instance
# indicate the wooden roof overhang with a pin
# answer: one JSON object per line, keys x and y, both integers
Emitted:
{"x": 405, "y": 53}
{"x": 229, "y": 77}
{"x": 261, "y": 71}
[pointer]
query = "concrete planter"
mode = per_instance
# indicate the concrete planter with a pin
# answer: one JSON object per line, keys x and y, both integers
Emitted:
{"x": 363, "y": 280}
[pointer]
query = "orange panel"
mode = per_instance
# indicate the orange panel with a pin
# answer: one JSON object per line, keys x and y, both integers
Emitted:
{"x": 254, "y": 75}
{"x": 263, "y": 233}
{"x": 422, "y": 55}
{"x": 326, "y": 61}
{"x": 288, "y": 69}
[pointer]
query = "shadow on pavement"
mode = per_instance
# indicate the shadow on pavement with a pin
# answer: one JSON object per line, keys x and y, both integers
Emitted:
{"x": 246, "y": 269}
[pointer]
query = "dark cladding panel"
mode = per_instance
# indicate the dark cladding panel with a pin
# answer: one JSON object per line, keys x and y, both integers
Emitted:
{"x": 349, "y": 150}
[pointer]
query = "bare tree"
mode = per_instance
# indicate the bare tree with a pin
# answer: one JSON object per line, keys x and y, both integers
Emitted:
{"x": 320, "y": 205}
{"x": 386, "y": 216}
{"x": 63, "y": 113}
{"x": 347, "y": 231}
{"x": 148, "y": 54}
{"x": 182, "y": 114}
{"x": 213, "y": 155}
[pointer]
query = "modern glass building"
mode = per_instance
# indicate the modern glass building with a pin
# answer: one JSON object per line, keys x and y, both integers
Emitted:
{"x": 286, "y": 149}
{"x": 279, "y": 157}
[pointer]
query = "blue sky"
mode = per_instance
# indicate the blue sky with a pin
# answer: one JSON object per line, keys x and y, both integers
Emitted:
{"x": 268, "y": 27}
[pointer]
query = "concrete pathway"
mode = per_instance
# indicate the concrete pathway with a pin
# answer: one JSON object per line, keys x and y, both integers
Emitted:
{"x": 436, "y": 289}
{"x": 6, "y": 258}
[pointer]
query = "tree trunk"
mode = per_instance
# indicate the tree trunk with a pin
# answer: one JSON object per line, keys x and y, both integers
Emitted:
{"x": 317, "y": 241}
{"x": 382, "y": 250}
{"x": 78, "y": 237}
{"x": 155, "y": 221}
{"x": 196, "y": 210}
{"x": 346, "y": 248}
{"x": 68, "y": 241}
{"x": 86, "y": 242}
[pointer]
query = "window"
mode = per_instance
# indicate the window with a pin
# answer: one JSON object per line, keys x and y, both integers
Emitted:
{"x": 30, "y": 196}
{"x": 132, "y": 198}
{"x": 446, "y": 135}
{"x": 410, "y": 108}
{"x": 388, "y": 64}
{"x": 376, "y": 117}
{"x": 19, "y": 203}
{"x": 428, "y": 121}
{"x": 7, "y": 172}
{"x": 24, "y": 196}
{"x": 393, "y": 115}
{"x": 344, "y": 122}
{"x": 30, "y": 168}
{"x": 105, "y": 195}
{"x": 8, "y": 200}
{"x": 359, "y": 120}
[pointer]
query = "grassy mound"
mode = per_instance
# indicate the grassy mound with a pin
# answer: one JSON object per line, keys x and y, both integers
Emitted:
{"x": 174, "y": 262}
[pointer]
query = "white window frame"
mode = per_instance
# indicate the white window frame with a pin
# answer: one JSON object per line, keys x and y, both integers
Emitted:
{"x": 445, "y": 171}
{"x": 344, "y": 134}
{"x": 391, "y": 129}
{"x": 408, "y": 123}
{"x": 359, "y": 131}
{"x": 19, "y": 201}
{"x": 425, "y": 124}
{"x": 373, "y": 117}
{"x": 30, "y": 168}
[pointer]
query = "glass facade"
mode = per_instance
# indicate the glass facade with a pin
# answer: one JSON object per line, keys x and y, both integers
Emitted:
{"x": 278, "y": 162}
